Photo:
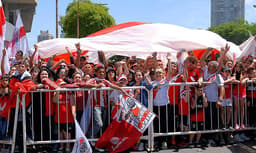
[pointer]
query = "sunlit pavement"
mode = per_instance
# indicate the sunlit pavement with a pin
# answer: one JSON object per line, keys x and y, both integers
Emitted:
{"x": 247, "y": 147}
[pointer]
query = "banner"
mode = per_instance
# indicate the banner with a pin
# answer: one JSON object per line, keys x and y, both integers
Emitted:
{"x": 81, "y": 145}
{"x": 126, "y": 129}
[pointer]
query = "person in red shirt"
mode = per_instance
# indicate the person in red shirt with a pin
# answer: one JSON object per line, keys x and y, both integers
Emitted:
{"x": 99, "y": 100}
{"x": 239, "y": 93}
{"x": 197, "y": 116}
{"x": 64, "y": 110}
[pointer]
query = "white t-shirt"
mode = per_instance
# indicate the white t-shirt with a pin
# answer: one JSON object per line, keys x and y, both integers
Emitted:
{"x": 161, "y": 97}
{"x": 211, "y": 90}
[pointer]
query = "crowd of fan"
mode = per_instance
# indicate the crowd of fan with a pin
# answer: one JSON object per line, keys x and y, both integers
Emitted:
{"x": 222, "y": 104}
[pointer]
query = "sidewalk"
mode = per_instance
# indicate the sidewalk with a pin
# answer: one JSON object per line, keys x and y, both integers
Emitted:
{"x": 247, "y": 147}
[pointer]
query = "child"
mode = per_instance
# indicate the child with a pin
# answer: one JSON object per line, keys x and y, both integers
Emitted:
{"x": 197, "y": 113}
{"x": 227, "y": 101}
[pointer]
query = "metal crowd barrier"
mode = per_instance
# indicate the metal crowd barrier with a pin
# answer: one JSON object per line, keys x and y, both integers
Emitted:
{"x": 10, "y": 140}
{"x": 220, "y": 128}
{"x": 53, "y": 136}
{"x": 39, "y": 138}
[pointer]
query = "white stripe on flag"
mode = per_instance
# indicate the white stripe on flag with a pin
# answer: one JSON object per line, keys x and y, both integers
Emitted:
{"x": 81, "y": 145}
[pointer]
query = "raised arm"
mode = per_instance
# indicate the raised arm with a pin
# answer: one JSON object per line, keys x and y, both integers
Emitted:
{"x": 102, "y": 58}
{"x": 125, "y": 68}
{"x": 72, "y": 61}
{"x": 33, "y": 56}
{"x": 204, "y": 56}
{"x": 79, "y": 52}
{"x": 222, "y": 56}
{"x": 57, "y": 64}
{"x": 169, "y": 71}
{"x": 2, "y": 62}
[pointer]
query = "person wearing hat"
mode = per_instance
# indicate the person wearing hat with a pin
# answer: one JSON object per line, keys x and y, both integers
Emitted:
{"x": 99, "y": 101}
{"x": 114, "y": 96}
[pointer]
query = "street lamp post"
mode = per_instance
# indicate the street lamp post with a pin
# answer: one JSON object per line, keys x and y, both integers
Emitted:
{"x": 57, "y": 20}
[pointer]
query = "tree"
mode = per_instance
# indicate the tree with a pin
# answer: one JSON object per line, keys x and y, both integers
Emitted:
{"x": 235, "y": 32}
{"x": 92, "y": 18}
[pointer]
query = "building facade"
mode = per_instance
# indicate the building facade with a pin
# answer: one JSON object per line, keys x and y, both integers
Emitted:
{"x": 44, "y": 35}
{"x": 26, "y": 7}
{"x": 223, "y": 11}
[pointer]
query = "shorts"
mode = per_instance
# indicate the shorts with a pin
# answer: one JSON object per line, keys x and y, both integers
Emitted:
{"x": 197, "y": 126}
{"x": 226, "y": 103}
{"x": 240, "y": 96}
{"x": 184, "y": 120}
{"x": 67, "y": 127}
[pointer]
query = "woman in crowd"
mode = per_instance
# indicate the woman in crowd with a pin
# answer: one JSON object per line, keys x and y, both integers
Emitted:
{"x": 141, "y": 80}
{"x": 34, "y": 73}
{"x": 42, "y": 108}
{"x": 239, "y": 93}
{"x": 111, "y": 75}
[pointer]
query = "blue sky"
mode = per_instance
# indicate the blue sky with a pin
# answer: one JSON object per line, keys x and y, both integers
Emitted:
{"x": 186, "y": 13}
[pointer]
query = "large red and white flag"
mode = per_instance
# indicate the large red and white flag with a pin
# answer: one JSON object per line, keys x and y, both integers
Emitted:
{"x": 126, "y": 129}
{"x": 2, "y": 38}
{"x": 19, "y": 41}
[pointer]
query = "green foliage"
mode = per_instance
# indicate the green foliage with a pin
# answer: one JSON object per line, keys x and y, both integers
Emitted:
{"x": 235, "y": 32}
{"x": 92, "y": 18}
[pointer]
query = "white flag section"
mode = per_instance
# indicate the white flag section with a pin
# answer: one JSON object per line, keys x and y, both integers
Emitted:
{"x": 81, "y": 145}
{"x": 2, "y": 38}
{"x": 19, "y": 41}
{"x": 87, "y": 116}
{"x": 248, "y": 47}
{"x": 138, "y": 40}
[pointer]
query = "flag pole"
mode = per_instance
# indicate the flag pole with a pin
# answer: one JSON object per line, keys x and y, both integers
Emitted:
{"x": 57, "y": 21}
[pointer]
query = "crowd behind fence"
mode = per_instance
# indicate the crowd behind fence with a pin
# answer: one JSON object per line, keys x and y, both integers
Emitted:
{"x": 45, "y": 98}
{"x": 49, "y": 121}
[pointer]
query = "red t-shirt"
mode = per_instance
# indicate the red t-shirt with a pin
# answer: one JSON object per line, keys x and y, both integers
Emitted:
{"x": 81, "y": 99}
{"x": 5, "y": 106}
{"x": 194, "y": 75}
{"x": 63, "y": 109}
{"x": 197, "y": 114}
{"x": 174, "y": 91}
{"x": 241, "y": 91}
{"x": 99, "y": 97}
{"x": 184, "y": 107}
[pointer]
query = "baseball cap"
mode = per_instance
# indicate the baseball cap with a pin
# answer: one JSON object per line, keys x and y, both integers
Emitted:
{"x": 60, "y": 82}
{"x": 122, "y": 76}
{"x": 226, "y": 69}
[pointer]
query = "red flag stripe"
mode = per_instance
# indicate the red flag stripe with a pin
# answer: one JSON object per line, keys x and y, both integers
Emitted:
{"x": 2, "y": 20}
{"x": 116, "y": 27}
{"x": 22, "y": 32}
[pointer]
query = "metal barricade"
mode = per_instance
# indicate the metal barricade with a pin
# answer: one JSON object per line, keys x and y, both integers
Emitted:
{"x": 56, "y": 125}
{"x": 44, "y": 128}
{"x": 10, "y": 137}
{"x": 184, "y": 114}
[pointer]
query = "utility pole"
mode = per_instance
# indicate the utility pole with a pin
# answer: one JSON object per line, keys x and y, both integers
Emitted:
{"x": 77, "y": 20}
{"x": 57, "y": 20}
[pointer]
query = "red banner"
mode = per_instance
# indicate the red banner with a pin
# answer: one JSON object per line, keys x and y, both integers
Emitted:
{"x": 126, "y": 129}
